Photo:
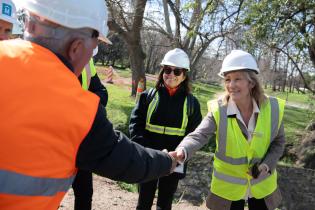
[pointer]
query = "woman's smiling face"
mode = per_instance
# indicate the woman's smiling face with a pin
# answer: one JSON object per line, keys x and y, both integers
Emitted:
{"x": 237, "y": 85}
{"x": 173, "y": 76}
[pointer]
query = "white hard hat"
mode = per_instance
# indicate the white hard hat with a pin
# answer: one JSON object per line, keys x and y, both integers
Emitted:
{"x": 176, "y": 57}
{"x": 238, "y": 60}
{"x": 8, "y": 11}
{"x": 71, "y": 13}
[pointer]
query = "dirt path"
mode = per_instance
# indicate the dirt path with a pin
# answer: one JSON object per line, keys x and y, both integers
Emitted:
{"x": 298, "y": 105}
{"x": 109, "y": 196}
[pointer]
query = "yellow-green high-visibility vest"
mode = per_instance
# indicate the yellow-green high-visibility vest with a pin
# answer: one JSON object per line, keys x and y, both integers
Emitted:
{"x": 234, "y": 155}
{"x": 88, "y": 72}
{"x": 164, "y": 129}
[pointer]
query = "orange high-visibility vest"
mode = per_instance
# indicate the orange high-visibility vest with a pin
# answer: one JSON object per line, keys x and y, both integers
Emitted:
{"x": 45, "y": 114}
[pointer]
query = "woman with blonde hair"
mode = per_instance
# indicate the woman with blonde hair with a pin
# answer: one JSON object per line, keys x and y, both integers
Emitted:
{"x": 250, "y": 139}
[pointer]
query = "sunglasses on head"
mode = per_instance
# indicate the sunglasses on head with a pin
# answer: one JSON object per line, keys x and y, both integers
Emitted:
{"x": 176, "y": 71}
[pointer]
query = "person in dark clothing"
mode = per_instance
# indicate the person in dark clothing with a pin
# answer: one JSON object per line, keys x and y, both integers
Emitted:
{"x": 83, "y": 183}
{"x": 161, "y": 119}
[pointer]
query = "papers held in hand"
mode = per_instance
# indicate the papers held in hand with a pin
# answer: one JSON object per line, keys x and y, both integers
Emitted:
{"x": 179, "y": 168}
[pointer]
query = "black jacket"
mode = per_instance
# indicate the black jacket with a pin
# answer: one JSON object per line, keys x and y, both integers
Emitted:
{"x": 111, "y": 154}
{"x": 98, "y": 88}
{"x": 169, "y": 112}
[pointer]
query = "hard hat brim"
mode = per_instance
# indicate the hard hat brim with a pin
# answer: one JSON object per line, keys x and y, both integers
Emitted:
{"x": 105, "y": 39}
{"x": 167, "y": 63}
{"x": 221, "y": 74}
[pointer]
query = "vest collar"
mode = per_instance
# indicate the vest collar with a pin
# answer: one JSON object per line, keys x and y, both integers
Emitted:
{"x": 65, "y": 62}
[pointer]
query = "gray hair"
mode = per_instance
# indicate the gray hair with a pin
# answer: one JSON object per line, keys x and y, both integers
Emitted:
{"x": 50, "y": 35}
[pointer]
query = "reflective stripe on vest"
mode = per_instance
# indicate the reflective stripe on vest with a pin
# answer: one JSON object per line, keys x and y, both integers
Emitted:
{"x": 19, "y": 184}
{"x": 163, "y": 129}
{"x": 236, "y": 180}
{"x": 234, "y": 155}
{"x": 88, "y": 72}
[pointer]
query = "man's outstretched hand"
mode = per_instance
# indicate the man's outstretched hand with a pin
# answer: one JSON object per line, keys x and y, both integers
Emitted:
{"x": 177, "y": 156}
{"x": 174, "y": 159}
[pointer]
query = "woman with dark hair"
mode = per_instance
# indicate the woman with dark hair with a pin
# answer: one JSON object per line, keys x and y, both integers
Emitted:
{"x": 250, "y": 139}
{"x": 161, "y": 119}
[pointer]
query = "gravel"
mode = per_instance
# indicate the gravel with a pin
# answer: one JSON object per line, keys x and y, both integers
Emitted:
{"x": 108, "y": 195}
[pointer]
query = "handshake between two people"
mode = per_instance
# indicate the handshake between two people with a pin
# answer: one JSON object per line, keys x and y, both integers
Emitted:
{"x": 177, "y": 156}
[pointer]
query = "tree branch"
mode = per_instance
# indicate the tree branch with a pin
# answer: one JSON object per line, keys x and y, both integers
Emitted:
{"x": 139, "y": 11}
{"x": 167, "y": 18}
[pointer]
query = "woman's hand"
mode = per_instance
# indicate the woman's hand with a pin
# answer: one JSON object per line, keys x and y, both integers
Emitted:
{"x": 263, "y": 170}
{"x": 174, "y": 159}
{"x": 258, "y": 171}
{"x": 178, "y": 154}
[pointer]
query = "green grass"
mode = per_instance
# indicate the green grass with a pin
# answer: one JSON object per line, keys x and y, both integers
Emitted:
{"x": 124, "y": 72}
{"x": 120, "y": 105}
{"x": 295, "y": 120}
{"x": 204, "y": 93}
{"x": 291, "y": 97}
{"x": 128, "y": 187}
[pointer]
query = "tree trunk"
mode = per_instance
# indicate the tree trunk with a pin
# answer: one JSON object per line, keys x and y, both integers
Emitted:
{"x": 196, "y": 57}
{"x": 148, "y": 60}
{"x": 311, "y": 49}
{"x": 285, "y": 75}
{"x": 136, "y": 57}
{"x": 274, "y": 85}
{"x": 130, "y": 33}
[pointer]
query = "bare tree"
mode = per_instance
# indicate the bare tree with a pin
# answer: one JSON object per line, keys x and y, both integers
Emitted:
{"x": 127, "y": 20}
{"x": 197, "y": 24}
{"x": 155, "y": 47}
{"x": 209, "y": 21}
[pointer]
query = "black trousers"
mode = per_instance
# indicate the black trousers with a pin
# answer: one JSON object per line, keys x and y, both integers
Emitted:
{"x": 83, "y": 190}
{"x": 253, "y": 204}
{"x": 166, "y": 189}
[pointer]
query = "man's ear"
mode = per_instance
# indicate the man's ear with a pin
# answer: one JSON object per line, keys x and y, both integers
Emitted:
{"x": 75, "y": 50}
{"x": 74, "y": 54}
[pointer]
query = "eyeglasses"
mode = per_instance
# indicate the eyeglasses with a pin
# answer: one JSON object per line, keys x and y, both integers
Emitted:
{"x": 176, "y": 71}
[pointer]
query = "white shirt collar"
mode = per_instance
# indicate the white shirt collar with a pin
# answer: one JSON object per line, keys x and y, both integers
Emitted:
{"x": 233, "y": 110}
